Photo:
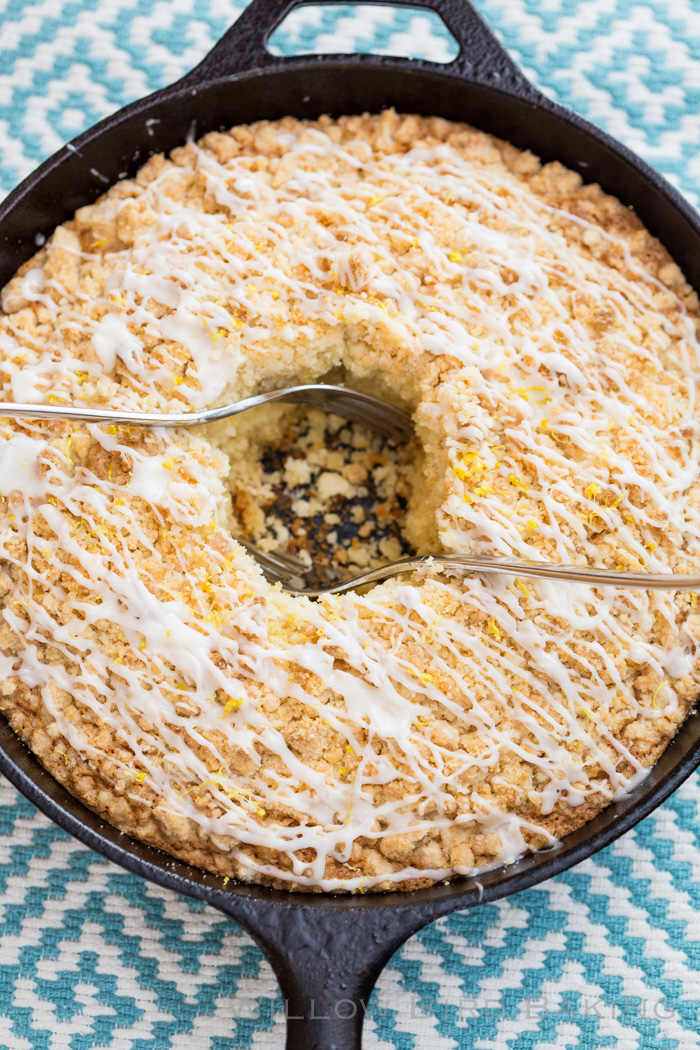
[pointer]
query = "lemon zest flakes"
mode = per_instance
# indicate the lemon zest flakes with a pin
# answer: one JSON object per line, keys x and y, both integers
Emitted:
{"x": 518, "y": 482}
{"x": 473, "y": 465}
{"x": 232, "y": 792}
{"x": 658, "y": 689}
{"x": 592, "y": 490}
{"x": 494, "y": 629}
{"x": 455, "y": 257}
{"x": 231, "y": 704}
{"x": 523, "y": 391}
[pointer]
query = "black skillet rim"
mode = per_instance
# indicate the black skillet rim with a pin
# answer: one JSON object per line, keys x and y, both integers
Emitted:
{"x": 500, "y": 77}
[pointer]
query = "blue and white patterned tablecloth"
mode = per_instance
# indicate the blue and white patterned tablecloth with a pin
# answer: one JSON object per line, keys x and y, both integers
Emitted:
{"x": 607, "y": 955}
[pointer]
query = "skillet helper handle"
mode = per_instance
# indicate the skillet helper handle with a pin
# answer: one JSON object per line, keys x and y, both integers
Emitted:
{"x": 481, "y": 58}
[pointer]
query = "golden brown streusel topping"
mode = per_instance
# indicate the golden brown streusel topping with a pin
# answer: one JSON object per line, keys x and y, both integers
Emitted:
{"x": 439, "y": 724}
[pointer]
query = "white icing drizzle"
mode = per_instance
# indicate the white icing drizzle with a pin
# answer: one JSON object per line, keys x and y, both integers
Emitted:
{"x": 334, "y": 249}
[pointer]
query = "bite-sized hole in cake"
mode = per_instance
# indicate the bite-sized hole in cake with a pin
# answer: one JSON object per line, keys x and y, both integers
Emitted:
{"x": 332, "y": 491}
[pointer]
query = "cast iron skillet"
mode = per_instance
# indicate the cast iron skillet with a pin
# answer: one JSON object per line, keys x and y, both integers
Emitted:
{"x": 328, "y": 951}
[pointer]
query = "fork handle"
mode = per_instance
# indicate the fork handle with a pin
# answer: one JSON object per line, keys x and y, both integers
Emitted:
{"x": 484, "y": 563}
{"x": 351, "y": 404}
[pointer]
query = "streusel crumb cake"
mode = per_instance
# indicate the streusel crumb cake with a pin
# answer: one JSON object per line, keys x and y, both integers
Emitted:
{"x": 547, "y": 347}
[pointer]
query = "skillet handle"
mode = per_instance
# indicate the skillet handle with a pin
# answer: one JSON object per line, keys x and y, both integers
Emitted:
{"x": 327, "y": 960}
{"x": 481, "y": 58}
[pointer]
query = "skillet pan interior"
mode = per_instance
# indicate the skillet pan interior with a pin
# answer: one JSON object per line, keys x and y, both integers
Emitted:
{"x": 328, "y": 951}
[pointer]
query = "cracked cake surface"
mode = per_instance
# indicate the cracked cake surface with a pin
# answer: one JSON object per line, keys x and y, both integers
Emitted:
{"x": 437, "y": 724}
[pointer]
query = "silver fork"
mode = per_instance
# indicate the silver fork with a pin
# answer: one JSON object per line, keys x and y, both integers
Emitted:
{"x": 315, "y": 580}
{"x": 351, "y": 404}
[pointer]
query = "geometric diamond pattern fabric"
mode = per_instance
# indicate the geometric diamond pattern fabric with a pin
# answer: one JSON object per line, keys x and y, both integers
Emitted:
{"x": 605, "y": 955}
